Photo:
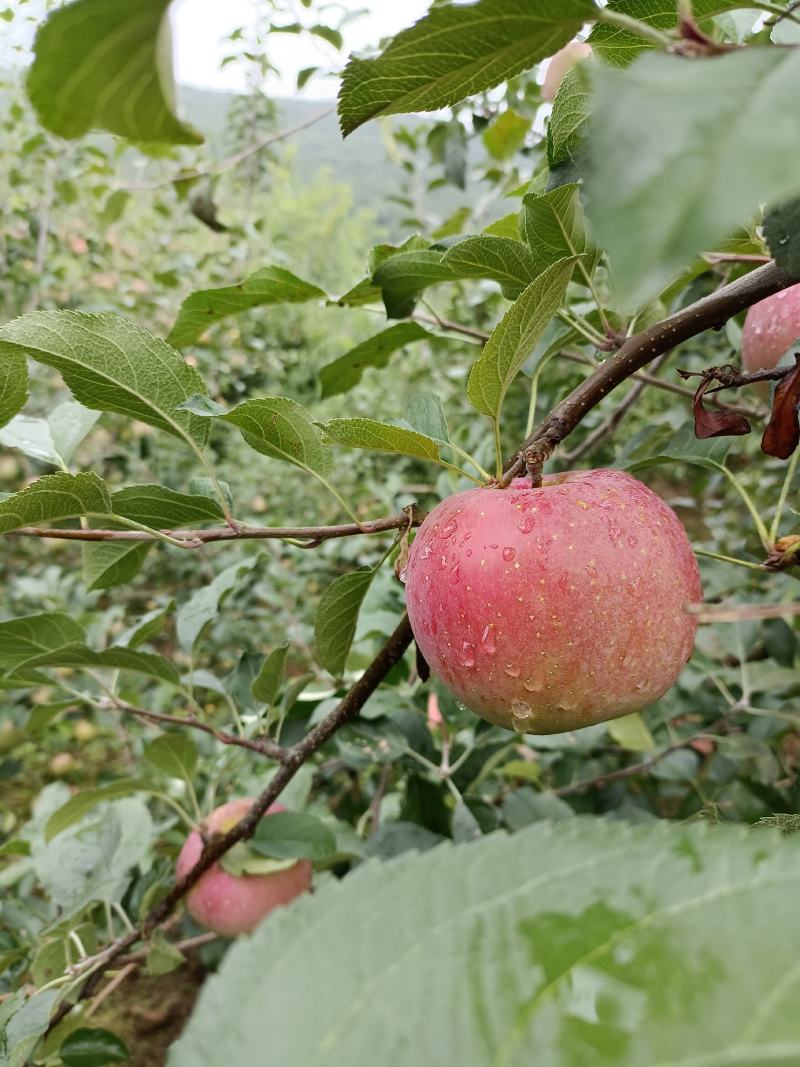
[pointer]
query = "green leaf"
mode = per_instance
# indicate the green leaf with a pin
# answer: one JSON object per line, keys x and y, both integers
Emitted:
{"x": 293, "y": 835}
{"x": 498, "y": 258}
{"x": 566, "y": 129}
{"x": 619, "y": 47}
{"x": 54, "y": 497}
{"x": 455, "y": 52}
{"x": 201, "y": 609}
{"x": 344, "y": 373}
{"x": 13, "y": 386}
{"x": 79, "y": 804}
{"x": 684, "y": 447}
{"x": 149, "y": 626}
{"x": 173, "y": 754}
{"x": 114, "y": 658}
{"x": 506, "y": 134}
{"x": 425, "y": 414}
{"x": 507, "y": 226}
{"x": 107, "y": 564}
{"x": 707, "y": 128}
{"x": 381, "y": 437}
{"x": 552, "y": 224}
{"x": 403, "y": 277}
{"x": 89, "y": 1047}
{"x": 162, "y": 508}
{"x": 515, "y": 337}
{"x": 782, "y": 232}
{"x": 32, "y": 635}
{"x": 21, "y": 1033}
{"x": 282, "y": 429}
{"x": 241, "y": 859}
{"x": 270, "y": 285}
{"x": 107, "y": 66}
{"x": 267, "y": 683}
{"x": 162, "y": 956}
{"x": 337, "y": 616}
{"x": 642, "y": 923}
{"x": 632, "y": 733}
{"x": 112, "y": 365}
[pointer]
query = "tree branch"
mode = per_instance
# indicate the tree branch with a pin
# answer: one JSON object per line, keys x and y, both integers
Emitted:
{"x": 711, "y": 312}
{"x": 410, "y": 517}
{"x": 345, "y": 711}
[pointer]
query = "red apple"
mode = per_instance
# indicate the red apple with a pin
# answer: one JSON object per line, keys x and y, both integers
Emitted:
{"x": 559, "y": 64}
{"x": 235, "y": 904}
{"x": 550, "y": 609}
{"x": 770, "y": 329}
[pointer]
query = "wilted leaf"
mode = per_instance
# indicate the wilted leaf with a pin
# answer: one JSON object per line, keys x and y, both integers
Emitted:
{"x": 715, "y": 423}
{"x": 782, "y": 434}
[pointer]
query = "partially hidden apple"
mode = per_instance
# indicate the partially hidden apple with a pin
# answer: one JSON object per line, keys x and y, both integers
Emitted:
{"x": 560, "y": 63}
{"x": 235, "y": 904}
{"x": 770, "y": 329}
{"x": 554, "y": 608}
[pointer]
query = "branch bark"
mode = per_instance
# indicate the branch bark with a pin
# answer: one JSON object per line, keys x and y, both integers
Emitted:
{"x": 709, "y": 313}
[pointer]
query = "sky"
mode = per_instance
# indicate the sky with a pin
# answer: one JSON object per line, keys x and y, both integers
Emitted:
{"x": 199, "y": 27}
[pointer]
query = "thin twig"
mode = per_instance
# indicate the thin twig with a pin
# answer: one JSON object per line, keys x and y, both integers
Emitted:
{"x": 315, "y": 535}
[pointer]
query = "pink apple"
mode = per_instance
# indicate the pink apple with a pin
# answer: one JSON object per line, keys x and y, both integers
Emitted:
{"x": 770, "y": 329}
{"x": 559, "y": 64}
{"x": 235, "y": 904}
{"x": 550, "y": 609}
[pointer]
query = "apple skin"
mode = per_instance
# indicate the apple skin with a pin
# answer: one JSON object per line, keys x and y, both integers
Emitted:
{"x": 229, "y": 904}
{"x": 770, "y": 328}
{"x": 560, "y": 63}
{"x": 550, "y": 609}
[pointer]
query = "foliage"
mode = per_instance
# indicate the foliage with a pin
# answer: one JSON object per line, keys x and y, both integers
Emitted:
{"x": 226, "y": 395}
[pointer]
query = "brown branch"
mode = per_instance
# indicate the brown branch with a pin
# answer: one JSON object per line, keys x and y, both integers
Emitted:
{"x": 710, "y": 312}
{"x": 263, "y": 745}
{"x": 411, "y": 516}
{"x": 602, "y": 780}
{"x": 345, "y": 711}
{"x": 729, "y": 378}
{"x": 232, "y": 161}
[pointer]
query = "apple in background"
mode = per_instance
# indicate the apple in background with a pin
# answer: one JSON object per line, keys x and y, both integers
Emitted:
{"x": 550, "y": 609}
{"x": 770, "y": 329}
{"x": 560, "y": 63}
{"x": 235, "y": 904}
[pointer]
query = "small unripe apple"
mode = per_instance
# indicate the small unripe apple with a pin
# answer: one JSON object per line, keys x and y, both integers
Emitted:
{"x": 554, "y": 608}
{"x": 559, "y": 64}
{"x": 61, "y": 764}
{"x": 235, "y": 904}
{"x": 770, "y": 329}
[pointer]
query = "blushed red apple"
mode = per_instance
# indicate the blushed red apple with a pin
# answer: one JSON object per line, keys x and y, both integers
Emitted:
{"x": 235, "y": 904}
{"x": 770, "y": 329}
{"x": 550, "y": 609}
{"x": 560, "y": 63}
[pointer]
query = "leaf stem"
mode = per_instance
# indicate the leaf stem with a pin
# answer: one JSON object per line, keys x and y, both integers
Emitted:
{"x": 728, "y": 559}
{"x": 787, "y": 482}
{"x": 498, "y": 449}
{"x": 763, "y": 533}
{"x": 632, "y": 25}
{"x": 470, "y": 459}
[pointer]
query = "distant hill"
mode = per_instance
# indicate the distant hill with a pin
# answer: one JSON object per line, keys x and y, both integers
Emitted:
{"x": 360, "y": 161}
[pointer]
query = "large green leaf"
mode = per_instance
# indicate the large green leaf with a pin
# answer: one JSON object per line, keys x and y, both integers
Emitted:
{"x": 100, "y": 65}
{"x": 111, "y": 364}
{"x": 344, "y": 373}
{"x": 337, "y": 617}
{"x": 54, "y": 497}
{"x": 13, "y": 386}
{"x": 515, "y": 337}
{"x": 293, "y": 835}
{"x": 586, "y": 942}
{"x": 456, "y": 51}
{"x": 499, "y": 258}
{"x": 270, "y": 285}
{"x": 114, "y": 658}
{"x": 724, "y": 131}
{"x": 381, "y": 437}
{"x": 34, "y": 635}
{"x": 403, "y": 277}
{"x": 281, "y": 428}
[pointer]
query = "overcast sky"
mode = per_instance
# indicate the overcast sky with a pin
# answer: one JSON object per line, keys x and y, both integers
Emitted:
{"x": 199, "y": 27}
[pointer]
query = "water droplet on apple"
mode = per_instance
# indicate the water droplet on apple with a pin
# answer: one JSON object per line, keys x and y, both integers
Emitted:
{"x": 454, "y": 575}
{"x": 468, "y": 654}
{"x": 533, "y": 685}
{"x": 508, "y": 553}
{"x": 449, "y": 528}
{"x": 427, "y": 552}
{"x": 488, "y": 641}
{"x": 521, "y": 716}
{"x": 511, "y": 670}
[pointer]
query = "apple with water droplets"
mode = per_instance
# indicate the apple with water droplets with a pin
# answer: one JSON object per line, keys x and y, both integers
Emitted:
{"x": 771, "y": 327}
{"x": 550, "y": 609}
{"x": 232, "y": 904}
